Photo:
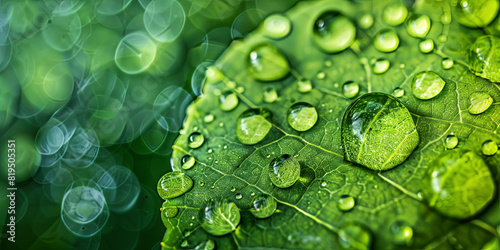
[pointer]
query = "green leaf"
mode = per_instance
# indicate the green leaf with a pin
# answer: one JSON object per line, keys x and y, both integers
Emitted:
{"x": 385, "y": 210}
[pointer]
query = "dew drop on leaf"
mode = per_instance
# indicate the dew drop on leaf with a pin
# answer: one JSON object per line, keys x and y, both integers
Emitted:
{"x": 365, "y": 21}
{"x": 398, "y": 92}
{"x": 302, "y": 116}
{"x": 277, "y": 26}
{"x": 418, "y": 25}
{"x": 346, "y": 203}
{"x": 386, "y": 40}
{"x": 213, "y": 74}
{"x": 321, "y": 75}
{"x": 239, "y": 196}
{"x": 401, "y": 232}
{"x": 479, "y": 102}
{"x": 426, "y": 85}
{"x": 233, "y": 189}
{"x": 169, "y": 211}
{"x": 253, "y": 125}
{"x": 284, "y": 171}
{"x": 378, "y": 132}
{"x": 483, "y": 53}
{"x": 426, "y": 46}
{"x": 350, "y": 89}
{"x": 208, "y": 118}
{"x": 184, "y": 243}
{"x": 219, "y": 217}
{"x": 354, "y": 236}
{"x": 451, "y": 142}
{"x": 187, "y": 162}
{"x": 447, "y": 63}
{"x": 270, "y": 95}
{"x": 458, "y": 184}
{"x": 266, "y": 63}
{"x": 304, "y": 85}
{"x": 263, "y": 206}
{"x": 489, "y": 148}
{"x": 381, "y": 66}
{"x": 395, "y": 14}
{"x": 173, "y": 184}
{"x": 333, "y": 32}
{"x": 228, "y": 101}
{"x": 476, "y": 13}
{"x": 196, "y": 140}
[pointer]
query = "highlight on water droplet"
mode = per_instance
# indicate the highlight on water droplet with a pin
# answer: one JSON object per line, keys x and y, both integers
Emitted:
{"x": 427, "y": 85}
{"x": 479, "y": 102}
{"x": 228, "y": 101}
{"x": 277, "y": 26}
{"x": 350, "y": 89}
{"x": 346, "y": 203}
{"x": 489, "y": 148}
{"x": 253, "y": 126}
{"x": 451, "y": 142}
{"x": 476, "y": 13}
{"x": 386, "y": 40}
{"x": 173, "y": 184}
{"x": 304, "y": 85}
{"x": 267, "y": 63}
{"x": 418, "y": 25}
{"x": 219, "y": 217}
{"x": 187, "y": 162}
{"x": 426, "y": 46}
{"x": 447, "y": 63}
{"x": 270, "y": 95}
{"x": 395, "y": 14}
{"x": 398, "y": 92}
{"x": 401, "y": 232}
{"x": 195, "y": 140}
{"x": 302, "y": 116}
{"x": 365, "y": 21}
{"x": 381, "y": 66}
{"x": 333, "y": 32}
{"x": 263, "y": 206}
{"x": 284, "y": 171}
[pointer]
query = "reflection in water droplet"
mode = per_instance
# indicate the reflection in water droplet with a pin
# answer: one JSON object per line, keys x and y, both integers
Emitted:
{"x": 270, "y": 95}
{"x": 365, "y": 21}
{"x": 263, "y": 206}
{"x": 173, "y": 184}
{"x": 398, "y": 92}
{"x": 381, "y": 66}
{"x": 395, "y": 14}
{"x": 219, "y": 217}
{"x": 350, "y": 89}
{"x": 196, "y": 140}
{"x": 302, "y": 116}
{"x": 253, "y": 125}
{"x": 476, "y": 14}
{"x": 447, "y": 63}
{"x": 426, "y": 85}
{"x": 228, "y": 101}
{"x": 333, "y": 32}
{"x": 418, "y": 25}
{"x": 401, "y": 233}
{"x": 386, "y": 40}
{"x": 187, "y": 162}
{"x": 482, "y": 53}
{"x": 277, "y": 26}
{"x": 451, "y": 142}
{"x": 208, "y": 118}
{"x": 426, "y": 46}
{"x": 284, "y": 171}
{"x": 489, "y": 148}
{"x": 479, "y": 102}
{"x": 354, "y": 236}
{"x": 267, "y": 63}
{"x": 304, "y": 85}
{"x": 346, "y": 203}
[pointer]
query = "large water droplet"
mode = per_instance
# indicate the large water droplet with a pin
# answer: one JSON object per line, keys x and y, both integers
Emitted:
{"x": 381, "y": 66}
{"x": 479, "y": 102}
{"x": 187, "y": 162}
{"x": 346, "y": 203}
{"x": 489, "y": 148}
{"x": 302, "y": 116}
{"x": 395, "y": 14}
{"x": 426, "y": 46}
{"x": 228, "y": 101}
{"x": 447, "y": 63}
{"x": 219, "y": 217}
{"x": 418, "y": 25}
{"x": 354, "y": 236}
{"x": 270, "y": 95}
{"x": 333, "y": 32}
{"x": 426, "y": 85}
{"x": 401, "y": 233}
{"x": 458, "y": 184}
{"x": 451, "y": 142}
{"x": 263, "y": 206}
{"x": 284, "y": 171}
{"x": 350, "y": 89}
{"x": 304, "y": 85}
{"x": 196, "y": 140}
{"x": 173, "y": 184}
{"x": 386, "y": 40}
{"x": 378, "y": 132}
{"x": 277, "y": 26}
{"x": 253, "y": 125}
{"x": 267, "y": 63}
{"x": 476, "y": 13}
{"x": 482, "y": 55}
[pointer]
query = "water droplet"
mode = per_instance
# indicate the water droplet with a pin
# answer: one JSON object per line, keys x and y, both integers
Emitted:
{"x": 479, "y": 102}
{"x": 221, "y": 124}
{"x": 395, "y": 14}
{"x": 418, "y": 25}
{"x": 233, "y": 189}
{"x": 369, "y": 136}
{"x": 446, "y": 18}
{"x": 350, "y": 89}
{"x": 228, "y": 101}
{"x": 481, "y": 55}
{"x": 239, "y": 196}
{"x": 426, "y": 46}
{"x": 458, "y": 184}
{"x": 302, "y": 116}
{"x": 442, "y": 38}
{"x": 209, "y": 150}
{"x": 398, "y": 92}
{"x": 184, "y": 243}
{"x": 212, "y": 75}
{"x": 219, "y": 217}
{"x": 187, "y": 162}
{"x": 381, "y": 66}
{"x": 277, "y": 26}
{"x": 267, "y": 63}
{"x": 386, "y": 40}
{"x": 202, "y": 183}
{"x": 489, "y": 148}
{"x": 447, "y": 63}
{"x": 365, "y": 21}
{"x": 208, "y": 118}
{"x": 169, "y": 211}
{"x": 323, "y": 184}
{"x": 476, "y": 14}
{"x": 196, "y": 140}
{"x": 270, "y": 95}
{"x": 451, "y": 142}
{"x": 252, "y": 194}
{"x": 304, "y": 85}
{"x": 346, "y": 203}
{"x": 321, "y": 75}
{"x": 263, "y": 206}
{"x": 333, "y": 32}
{"x": 253, "y": 125}
{"x": 284, "y": 171}
{"x": 354, "y": 236}
{"x": 240, "y": 89}
{"x": 328, "y": 63}
{"x": 173, "y": 184}
{"x": 401, "y": 232}
{"x": 230, "y": 84}
{"x": 426, "y": 85}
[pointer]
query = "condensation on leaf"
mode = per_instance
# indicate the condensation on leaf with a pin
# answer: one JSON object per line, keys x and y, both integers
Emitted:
{"x": 267, "y": 63}
{"x": 386, "y": 40}
{"x": 302, "y": 116}
{"x": 219, "y": 217}
{"x": 479, "y": 102}
{"x": 284, "y": 171}
{"x": 253, "y": 125}
{"x": 333, "y": 32}
{"x": 418, "y": 25}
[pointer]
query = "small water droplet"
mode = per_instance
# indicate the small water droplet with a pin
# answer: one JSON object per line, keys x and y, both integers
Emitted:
{"x": 253, "y": 125}
{"x": 426, "y": 85}
{"x": 187, "y": 162}
{"x": 418, "y": 25}
{"x": 381, "y": 66}
{"x": 402, "y": 66}
{"x": 489, "y": 148}
{"x": 263, "y": 206}
{"x": 196, "y": 140}
{"x": 185, "y": 243}
{"x": 240, "y": 89}
{"x": 354, "y": 236}
{"x": 219, "y": 217}
{"x": 426, "y": 46}
{"x": 239, "y": 196}
{"x": 446, "y": 18}
{"x": 252, "y": 194}
{"x": 346, "y": 203}
{"x": 230, "y": 84}
{"x": 365, "y": 21}
{"x": 401, "y": 232}
{"x": 395, "y": 14}
{"x": 386, "y": 40}
{"x": 284, "y": 171}
{"x": 169, "y": 211}
{"x": 350, "y": 89}
{"x": 209, "y": 150}
{"x": 221, "y": 124}
{"x": 277, "y": 26}
{"x": 225, "y": 146}
{"x": 304, "y": 85}
{"x": 476, "y": 14}
{"x": 228, "y": 101}
{"x": 173, "y": 184}
{"x": 479, "y": 102}
{"x": 451, "y": 141}
{"x": 447, "y": 63}
{"x": 202, "y": 183}
{"x": 328, "y": 63}
{"x": 208, "y": 118}
{"x": 302, "y": 116}
{"x": 270, "y": 95}
{"x": 321, "y": 75}
{"x": 323, "y": 184}
{"x": 333, "y": 32}
{"x": 233, "y": 189}
{"x": 442, "y": 38}
{"x": 213, "y": 74}
{"x": 267, "y": 63}
{"x": 398, "y": 92}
